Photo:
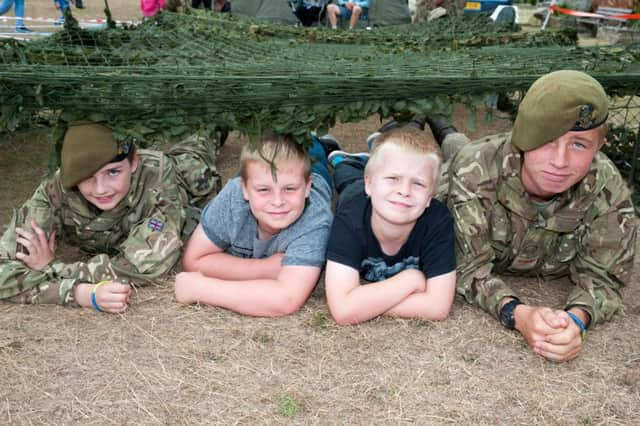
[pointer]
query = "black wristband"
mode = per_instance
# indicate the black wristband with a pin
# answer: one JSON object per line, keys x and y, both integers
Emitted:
{"x": 506, "y": 313}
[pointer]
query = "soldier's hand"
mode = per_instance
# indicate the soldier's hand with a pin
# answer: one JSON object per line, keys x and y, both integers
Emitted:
{"x": 41, "y": 250}
{"x": 112, "y": 297}
{"x": 562, "y": 346}
{"x": 555, "y": 318}
{"x": 536, "y": 323}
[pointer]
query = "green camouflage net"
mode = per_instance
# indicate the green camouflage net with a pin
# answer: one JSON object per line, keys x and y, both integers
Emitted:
{"x": 178, "y": 74}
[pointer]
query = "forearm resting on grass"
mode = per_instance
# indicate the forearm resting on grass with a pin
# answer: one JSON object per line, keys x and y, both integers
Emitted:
{"x": 228, "y": 267}
{"x": 433, "y": 304}
{"x": 260, "y": 297}
{"x": 202, "y": 255}
{"x": 352, "y": 303}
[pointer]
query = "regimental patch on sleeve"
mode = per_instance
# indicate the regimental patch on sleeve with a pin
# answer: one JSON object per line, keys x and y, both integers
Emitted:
{"x": 156, "y": 224}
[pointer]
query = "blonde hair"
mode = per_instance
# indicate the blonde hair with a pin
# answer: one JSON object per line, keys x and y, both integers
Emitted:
{"x": 272, "y": 150}
{"x": 411, "y": 141}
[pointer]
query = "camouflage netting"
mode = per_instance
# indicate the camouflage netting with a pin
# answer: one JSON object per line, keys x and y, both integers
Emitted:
{"x": 180, "y": 73}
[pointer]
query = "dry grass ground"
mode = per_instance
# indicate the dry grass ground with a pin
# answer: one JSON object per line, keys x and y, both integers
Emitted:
{"x": 163, "y": 363}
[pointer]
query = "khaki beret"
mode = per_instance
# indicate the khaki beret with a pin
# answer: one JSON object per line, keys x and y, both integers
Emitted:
{"x": 85, "y": 149}
{"x": 557, "y": 103}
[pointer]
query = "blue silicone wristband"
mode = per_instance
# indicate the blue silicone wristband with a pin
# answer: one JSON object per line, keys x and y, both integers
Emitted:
{"x": 94, "y": 302}
{"x": 579, "y": 323}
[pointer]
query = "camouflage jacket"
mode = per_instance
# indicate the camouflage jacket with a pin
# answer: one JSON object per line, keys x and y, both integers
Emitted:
{"x": 588, "y": 233}
{"x": 139, "y": 240}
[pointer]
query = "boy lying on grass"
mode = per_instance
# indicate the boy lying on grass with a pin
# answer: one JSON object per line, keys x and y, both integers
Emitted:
{"x": 261, "y": 243}
{"x": 390, "y": 231}
{"x": 129, "y": 210}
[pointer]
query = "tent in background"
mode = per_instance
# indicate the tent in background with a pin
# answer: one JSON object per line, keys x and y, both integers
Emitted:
{"x": 264, "y": 10}
{"x": 382, "y": 12}
{"x": 389, "y": 12}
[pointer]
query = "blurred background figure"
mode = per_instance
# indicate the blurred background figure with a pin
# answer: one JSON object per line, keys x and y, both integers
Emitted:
{"x": 149, "y": 8}
{"x": 206, "y": 4}
{"x": 62, "y": 5}
{"x": 18, "y": 12}
{"x": 222, "y": 6}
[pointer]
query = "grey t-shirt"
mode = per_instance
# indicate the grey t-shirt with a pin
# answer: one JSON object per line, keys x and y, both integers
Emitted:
{"x": 229, "y": 224}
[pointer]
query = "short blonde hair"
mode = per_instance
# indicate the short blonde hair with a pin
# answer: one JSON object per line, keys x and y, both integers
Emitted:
{"x": 412, "y": 141}
{"x": 273, "y": 149}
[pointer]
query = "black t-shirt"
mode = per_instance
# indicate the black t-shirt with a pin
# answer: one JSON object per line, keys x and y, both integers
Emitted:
{"x": 430, "y": 246}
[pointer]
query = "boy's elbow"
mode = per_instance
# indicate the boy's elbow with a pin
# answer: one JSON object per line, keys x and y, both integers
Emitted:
{"x": 440, "y": 315}
{"x": 342, "y": 317}
{"x": 287, "y": 304}
{"x": 286, "y": 307}
{"x": 343, "y": 320}
{"x": 189, "y": 264}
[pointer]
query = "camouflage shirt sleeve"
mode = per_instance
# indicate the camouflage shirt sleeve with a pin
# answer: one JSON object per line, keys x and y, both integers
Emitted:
{"x": 471, "y": 193}
{"x": 17, "y": 281}
{"x": 606, "y": 248}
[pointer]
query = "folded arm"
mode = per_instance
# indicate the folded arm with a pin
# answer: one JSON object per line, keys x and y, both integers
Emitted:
{"x": 433, "y": 304}
{"x": 202, "y": 255}
{"x": 352, "y": 303}
{"x": 257, "y": 297}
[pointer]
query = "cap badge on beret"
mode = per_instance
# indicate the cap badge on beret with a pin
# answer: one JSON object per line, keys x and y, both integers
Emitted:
{"x": 124, "y": 147}
{"x": 585, "y": 117}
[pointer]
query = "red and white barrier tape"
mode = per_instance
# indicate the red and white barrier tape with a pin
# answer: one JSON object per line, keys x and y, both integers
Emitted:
{"x": 580, "y": 14}
{"x": 85, "y": 21}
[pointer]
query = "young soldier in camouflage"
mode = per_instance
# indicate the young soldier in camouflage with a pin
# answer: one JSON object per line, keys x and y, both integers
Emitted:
{"x": 130, "y": 210}
{"x": 543, "y": 201}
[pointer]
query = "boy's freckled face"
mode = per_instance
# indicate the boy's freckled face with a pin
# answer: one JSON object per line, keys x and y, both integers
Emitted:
{"x": 400, "y": 187}
{"x": 109, "y": 185}
{"x": 276, "y": 204}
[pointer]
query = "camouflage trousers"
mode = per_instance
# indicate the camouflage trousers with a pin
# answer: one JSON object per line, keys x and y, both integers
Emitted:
{"x": 194, "y": 160}
{"x": 452, "y": 144}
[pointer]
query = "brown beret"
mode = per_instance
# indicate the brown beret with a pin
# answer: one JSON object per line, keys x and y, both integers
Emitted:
{"x": 85, "y": 149}
{"x": 557, "y": 103}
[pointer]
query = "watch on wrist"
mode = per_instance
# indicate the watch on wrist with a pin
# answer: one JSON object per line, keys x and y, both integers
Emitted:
{"x": 506, "y": 314}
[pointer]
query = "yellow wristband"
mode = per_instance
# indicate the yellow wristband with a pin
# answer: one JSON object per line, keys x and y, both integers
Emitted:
{"x": 95, "y": 287}
{"x": 94, "y": 302}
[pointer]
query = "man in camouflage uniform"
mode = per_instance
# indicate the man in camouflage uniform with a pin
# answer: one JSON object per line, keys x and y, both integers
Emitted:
{"x": 543, "y": 201}
{"x": 133, "y": 233}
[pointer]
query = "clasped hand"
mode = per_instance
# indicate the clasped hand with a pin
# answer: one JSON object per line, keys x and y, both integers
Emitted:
{"x": 551, "y": 333}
